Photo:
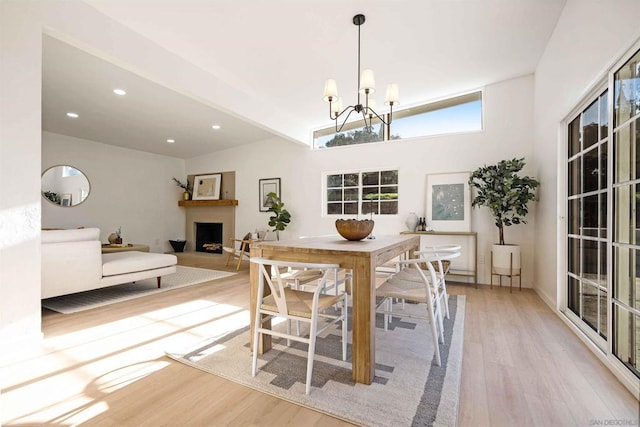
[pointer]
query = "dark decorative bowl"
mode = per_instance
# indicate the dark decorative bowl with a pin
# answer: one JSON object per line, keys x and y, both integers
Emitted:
{"x": 354, "y": 229}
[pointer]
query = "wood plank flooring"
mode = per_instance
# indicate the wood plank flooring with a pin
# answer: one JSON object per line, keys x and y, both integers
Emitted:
{"x": 106, "y": 367}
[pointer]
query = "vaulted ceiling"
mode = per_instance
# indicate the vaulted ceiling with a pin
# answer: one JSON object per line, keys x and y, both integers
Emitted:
{"x": 281, "y": 52}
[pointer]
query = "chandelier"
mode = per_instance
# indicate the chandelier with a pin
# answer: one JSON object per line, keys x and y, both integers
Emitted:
{"x": 366, "y": 87}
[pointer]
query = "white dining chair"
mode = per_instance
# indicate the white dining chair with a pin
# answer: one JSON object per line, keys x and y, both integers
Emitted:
{"x": 338, "y": 281}
{"x": 404, "y": 286}
{"x": 341, "y": 280}
{"x": 440, "y": 257}
{"x": 299, "y": 305}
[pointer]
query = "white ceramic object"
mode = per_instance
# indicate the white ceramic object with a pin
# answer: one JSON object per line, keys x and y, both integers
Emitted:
{"x": 412, "y": 221}
{"x": 502, "y": 259}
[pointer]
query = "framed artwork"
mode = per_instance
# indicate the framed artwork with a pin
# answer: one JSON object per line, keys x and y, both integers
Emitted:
{"x": 65, "y": 200}
{"x": 207, "y": 187}
{"x": 448, "y": 202}
{"x": 266, "y": 186}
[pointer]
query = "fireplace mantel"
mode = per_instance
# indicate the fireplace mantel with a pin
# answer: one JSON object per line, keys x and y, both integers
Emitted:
{"x": 188, "y": 203}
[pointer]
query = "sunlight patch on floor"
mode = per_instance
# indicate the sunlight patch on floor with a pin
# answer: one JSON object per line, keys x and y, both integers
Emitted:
{"x": 179, "y": 316}
{"x": 146, "y": 339}
{"x": 83, "y": 414}
{"x": 122, "y": 377}
{"x": 60, "y": 398}
{"x": 81, "y": 368}
{"x": 212, "y": 331}
{"x": 94, "y": 351}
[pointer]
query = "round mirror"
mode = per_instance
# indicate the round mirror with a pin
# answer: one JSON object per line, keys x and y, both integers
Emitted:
{"x": 65, "y": 186}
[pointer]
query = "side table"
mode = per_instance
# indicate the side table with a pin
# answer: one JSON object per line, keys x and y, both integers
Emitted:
{"x": 123, "y": 248}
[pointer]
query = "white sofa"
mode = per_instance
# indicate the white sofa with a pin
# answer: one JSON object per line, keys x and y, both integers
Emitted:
{"x": 72, "y": 261}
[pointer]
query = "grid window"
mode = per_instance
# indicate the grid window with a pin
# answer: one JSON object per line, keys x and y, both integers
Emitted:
{"x": 362, "y": 193}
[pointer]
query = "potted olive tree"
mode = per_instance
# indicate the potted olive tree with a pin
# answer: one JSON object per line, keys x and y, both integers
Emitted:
{"x": 281, "y": 217}
{"x": 500, "y": 188}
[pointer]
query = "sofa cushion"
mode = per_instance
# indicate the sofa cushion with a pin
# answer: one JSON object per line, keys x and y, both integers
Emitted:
{"x": 70, "y": 235}
{"x": 128, "y": 262}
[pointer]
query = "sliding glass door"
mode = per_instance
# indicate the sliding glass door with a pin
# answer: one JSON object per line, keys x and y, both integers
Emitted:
{"x": 603, "y": 215}
{"x": 588, "y": 146}
{"x": 626, "y": 196}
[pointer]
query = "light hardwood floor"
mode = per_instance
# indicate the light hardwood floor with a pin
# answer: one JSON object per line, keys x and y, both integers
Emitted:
{"x": 106, "y": 367}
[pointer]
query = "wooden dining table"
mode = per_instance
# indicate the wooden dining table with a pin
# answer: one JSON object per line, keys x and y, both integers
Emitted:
{"x": 362, "y": 258}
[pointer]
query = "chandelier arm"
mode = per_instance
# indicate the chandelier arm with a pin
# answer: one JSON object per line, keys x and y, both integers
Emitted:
{"x": 367, "y": 127}
{"x": 344, "y": 122}
{"x": 371, "y": 110}
{"x": 330, "y": 116}
{"x": 349, "y": 108}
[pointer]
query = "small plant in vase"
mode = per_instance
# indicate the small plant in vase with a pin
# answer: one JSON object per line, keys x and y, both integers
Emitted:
{"x": 281, "y": 217}
{"x": 186, "y": 194}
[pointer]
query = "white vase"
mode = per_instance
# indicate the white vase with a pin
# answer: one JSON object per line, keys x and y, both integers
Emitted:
{"x": 506, "y": 259}
{"x": 411, "y": 221}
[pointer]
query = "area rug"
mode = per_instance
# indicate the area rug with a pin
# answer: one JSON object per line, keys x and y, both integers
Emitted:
{"x": 408, "y": 388}
{"x": 184, "y": 276}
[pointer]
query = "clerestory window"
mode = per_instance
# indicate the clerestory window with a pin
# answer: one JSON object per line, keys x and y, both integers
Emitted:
{"x": 452, "y": 115}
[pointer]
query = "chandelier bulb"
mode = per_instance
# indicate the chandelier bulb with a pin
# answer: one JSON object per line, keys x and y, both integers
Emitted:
{"x": 330, "y": 90}
{"x": 367, "y": 82}
{"x": 393, "y": 95}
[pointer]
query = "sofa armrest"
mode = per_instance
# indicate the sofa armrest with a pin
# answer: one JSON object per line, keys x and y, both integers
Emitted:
{"x": 69, "y": 267}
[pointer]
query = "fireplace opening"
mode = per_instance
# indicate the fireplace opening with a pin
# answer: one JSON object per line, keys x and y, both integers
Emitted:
{"x": 209, "y": 237}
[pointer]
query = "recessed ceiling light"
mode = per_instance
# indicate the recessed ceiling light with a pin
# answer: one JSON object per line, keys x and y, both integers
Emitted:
{"x": 171, "y": 141}
{"x": 72, "y": 115}
{"x": 120, "y": 92}
{"x": 216, "y": 127}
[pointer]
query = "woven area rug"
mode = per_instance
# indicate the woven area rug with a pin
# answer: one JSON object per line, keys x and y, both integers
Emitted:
{"x": 408, "y": 388}
{"x": 184, "y": 276}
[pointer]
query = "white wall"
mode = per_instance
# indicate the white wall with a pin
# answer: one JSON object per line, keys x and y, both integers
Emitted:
{"x": 22, "y": 24}
{"x": 129, "y": 189}
{"x": 508, "y": 108}
{"x": 589, "y": 37}
{"x": 20, "y": 77}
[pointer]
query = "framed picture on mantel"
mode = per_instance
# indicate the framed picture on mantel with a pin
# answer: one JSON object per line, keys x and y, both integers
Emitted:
{"x": 207, "y": 187}
{"x": 448, "y": 202}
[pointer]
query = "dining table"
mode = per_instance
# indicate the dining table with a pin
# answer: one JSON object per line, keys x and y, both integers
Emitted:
{"x": 361, "y": 258}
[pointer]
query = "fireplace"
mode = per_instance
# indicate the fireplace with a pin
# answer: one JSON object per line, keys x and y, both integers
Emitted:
{"x": 221, "y": 212}
{"x": 208, "y": 237}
